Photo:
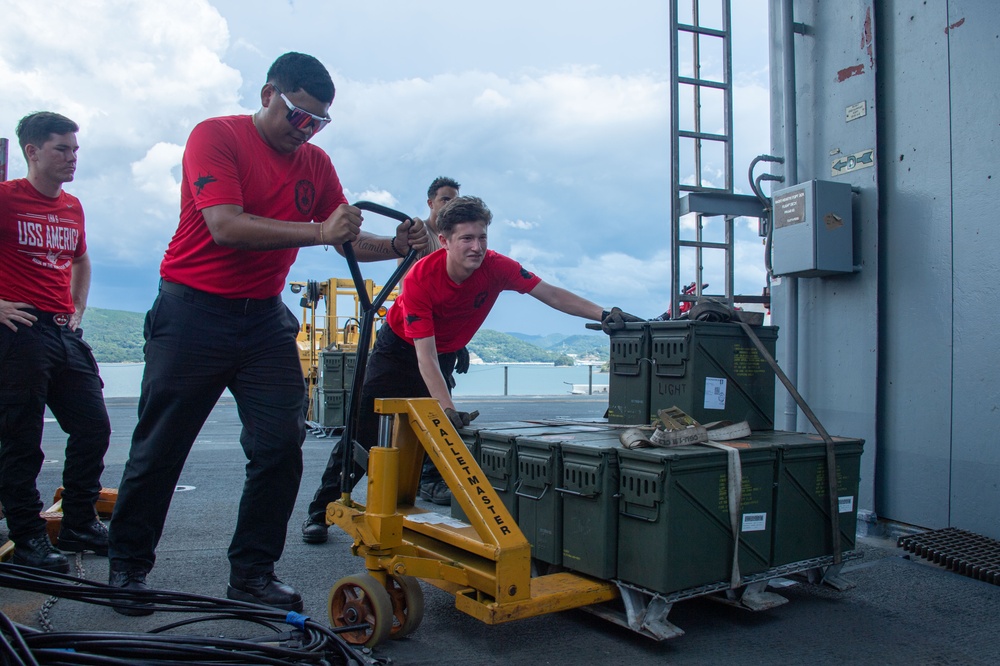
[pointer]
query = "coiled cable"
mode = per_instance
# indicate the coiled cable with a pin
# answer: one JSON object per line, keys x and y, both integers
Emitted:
{"x": 308, "y": 643}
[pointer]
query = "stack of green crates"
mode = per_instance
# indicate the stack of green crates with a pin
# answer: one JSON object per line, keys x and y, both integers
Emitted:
{"x": 471, "y": 437}
{"x": 330, "y": 400}
{"x": 498, "y": 458}
{"x": 659, "y": 518}
{"x": 334, "y": 376}
{"x": 674, "y": 528}
{"x": 539, "y": 475}
{"x": 712, "y": 371}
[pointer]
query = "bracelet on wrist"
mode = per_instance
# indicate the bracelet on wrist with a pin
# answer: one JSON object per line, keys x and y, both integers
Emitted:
{"x": 321, "y": 240}
{"x": 392, "y": 244}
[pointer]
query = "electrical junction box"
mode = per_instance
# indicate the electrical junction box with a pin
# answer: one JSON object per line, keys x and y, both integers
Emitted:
{"x": 813, "y": 230}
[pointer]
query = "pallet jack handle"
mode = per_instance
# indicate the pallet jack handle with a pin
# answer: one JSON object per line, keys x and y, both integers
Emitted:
{"x": 368, "y": 310}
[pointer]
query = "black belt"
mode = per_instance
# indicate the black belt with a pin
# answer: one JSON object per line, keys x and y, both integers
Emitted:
{"x": 447, "y": 360}
{"x": 55, "y": 318}
{"x": 241, "y": 305}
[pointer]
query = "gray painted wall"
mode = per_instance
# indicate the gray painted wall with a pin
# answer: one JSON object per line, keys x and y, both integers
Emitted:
{"x": 973, "y": 42}
{"x": 916, "y": 327}
{"x": 838, "y": 321}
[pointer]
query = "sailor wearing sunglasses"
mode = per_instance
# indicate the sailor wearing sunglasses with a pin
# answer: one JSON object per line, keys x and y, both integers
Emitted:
{"x": 254, "y": 190}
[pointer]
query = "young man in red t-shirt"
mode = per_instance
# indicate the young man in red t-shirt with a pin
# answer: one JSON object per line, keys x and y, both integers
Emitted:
{"x": 44, "y": 283}
{"x": 253, "y": 191}
{"x": 445, "y": 298}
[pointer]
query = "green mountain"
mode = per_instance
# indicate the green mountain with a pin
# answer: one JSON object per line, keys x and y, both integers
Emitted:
{"x": 584, "y": 345}
{"x": 496, "y": 347}
{"x": 115, "y": 335}
{"x": 543, "y": 341}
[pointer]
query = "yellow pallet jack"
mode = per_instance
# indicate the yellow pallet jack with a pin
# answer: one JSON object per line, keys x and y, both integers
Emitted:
{"x": 486, "y": 565}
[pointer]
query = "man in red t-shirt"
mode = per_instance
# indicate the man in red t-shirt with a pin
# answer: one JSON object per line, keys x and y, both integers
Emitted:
{"x": 253, "y": 191}
{"x": 446, "y": 297}
{"x": 44, "y": 283}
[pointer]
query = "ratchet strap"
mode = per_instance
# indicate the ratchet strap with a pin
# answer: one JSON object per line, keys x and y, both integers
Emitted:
{"x": 734, "y": 488}
{"x": 831, "y": 454}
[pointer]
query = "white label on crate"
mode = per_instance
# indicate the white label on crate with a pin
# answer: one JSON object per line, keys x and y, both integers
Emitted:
{"x": 846, "y": 504}
{"x": 754, "y": 522}
{"x": 715, "y": 392}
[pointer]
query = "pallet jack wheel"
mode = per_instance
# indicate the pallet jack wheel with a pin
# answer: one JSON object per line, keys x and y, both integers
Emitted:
{"x": 361, "y": 599}
{"x": 407, "y": 604}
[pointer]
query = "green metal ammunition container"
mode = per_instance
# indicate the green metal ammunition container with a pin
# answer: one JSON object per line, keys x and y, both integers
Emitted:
{"x": 539, "y": 506}
{"x": 801, "y": 510}
{"x": 471, "y": 436}
{"x": 712, "y": 371}
{"x": 328, "y": 409}
{"x": 498, "y": 457}
{"x": 674, "y": 528}
{"x": 350, "y": 362}
{"x": 330, "y": 370}
{"x": 628, "y": 385}
{"x": 589, "y": 490}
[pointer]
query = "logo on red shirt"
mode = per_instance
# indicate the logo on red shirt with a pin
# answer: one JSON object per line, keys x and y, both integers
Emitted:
{"x": 305, "y": 195}
{"x": 203, "y": 181}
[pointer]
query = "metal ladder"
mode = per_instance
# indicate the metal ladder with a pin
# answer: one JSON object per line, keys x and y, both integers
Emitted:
{"x": 698, "y": 198}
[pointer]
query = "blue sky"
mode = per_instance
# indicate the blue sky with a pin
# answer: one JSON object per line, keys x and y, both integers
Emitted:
{"x": 555, "y": 113}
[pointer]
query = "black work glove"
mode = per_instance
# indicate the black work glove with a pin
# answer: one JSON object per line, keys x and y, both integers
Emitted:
{"x": 615, "y": 320}
{"x": 462, "y": 361}
{"x": 460, "y": 419}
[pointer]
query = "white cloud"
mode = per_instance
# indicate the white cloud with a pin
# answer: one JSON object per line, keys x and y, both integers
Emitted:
{"x": 566, "y": 138}
{"x": 154, "y": 173}
{"x": 523, "y": 225}
{"x": 491, "y": 99}
{"x": 380, "y": 197}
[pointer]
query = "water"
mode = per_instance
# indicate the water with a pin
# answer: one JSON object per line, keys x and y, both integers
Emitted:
{"x": 123, "y": 380}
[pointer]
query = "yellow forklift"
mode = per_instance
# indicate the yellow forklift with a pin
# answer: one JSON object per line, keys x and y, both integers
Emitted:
{"x": 331, "y": 329}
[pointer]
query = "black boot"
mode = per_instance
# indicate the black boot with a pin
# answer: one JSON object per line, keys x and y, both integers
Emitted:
{"x": 266, "y": 590}
{"x": 91, "y": 536}
{"x": 38, "y": 552}
{"x": 314, "y": 529}
{"x": 133, "y": 580}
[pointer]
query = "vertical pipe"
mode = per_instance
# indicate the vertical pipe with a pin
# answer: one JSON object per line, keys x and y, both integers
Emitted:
{"x": 505, "y": 379}
{"x": 3, "y": 159}
{"x": 791, "y": 321}
{"x": 675, "y": 168}
{"x": 590, "y": 380}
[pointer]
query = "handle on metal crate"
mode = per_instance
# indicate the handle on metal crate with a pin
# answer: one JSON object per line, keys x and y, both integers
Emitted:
{"x": 567, "y": 491}
{"x": 517, "y": 491}
{"x": 643, "y": 518}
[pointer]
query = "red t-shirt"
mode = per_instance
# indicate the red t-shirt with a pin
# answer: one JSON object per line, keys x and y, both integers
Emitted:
{"x": 227, "y": 163}
{"x": 431, "y": 303}
{"x": 39, "y": 239}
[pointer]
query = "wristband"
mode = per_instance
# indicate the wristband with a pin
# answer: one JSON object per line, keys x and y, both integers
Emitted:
{"x": 392, "y": 244}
